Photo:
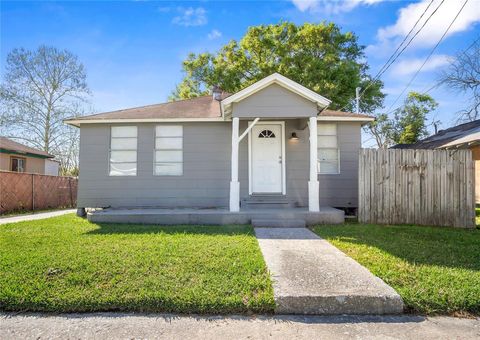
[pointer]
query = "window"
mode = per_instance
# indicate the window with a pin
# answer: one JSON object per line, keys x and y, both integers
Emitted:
{"x": 328, "y": 152}
{"x": 123, "y": 151}
{"x": 18, "y": 164}
{"x": 168, "y": 150}
{"x": 266, "y": 134}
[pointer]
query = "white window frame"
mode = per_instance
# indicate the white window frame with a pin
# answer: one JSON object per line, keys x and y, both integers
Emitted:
{"x": 155, "y": 150}
{"x": 319, "y": 147}
{"x": 110, "y": 152}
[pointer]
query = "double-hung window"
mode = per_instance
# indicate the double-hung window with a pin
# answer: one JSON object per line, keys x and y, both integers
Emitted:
{"x": 328, "y": 152}
{"x": 168, "y": 150}
{"x": 18, "y": 164}
{"x": 123, "y": 151}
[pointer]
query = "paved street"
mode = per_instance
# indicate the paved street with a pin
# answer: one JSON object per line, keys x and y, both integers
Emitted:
{"x": 168, "y": 326}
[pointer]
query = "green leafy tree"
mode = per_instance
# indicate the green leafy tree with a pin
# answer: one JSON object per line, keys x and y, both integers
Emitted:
{"x": 409, "y": 125}
{"x": 318, "y": 56}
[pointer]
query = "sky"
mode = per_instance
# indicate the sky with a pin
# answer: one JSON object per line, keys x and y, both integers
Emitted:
{"x": 133, "y": 50}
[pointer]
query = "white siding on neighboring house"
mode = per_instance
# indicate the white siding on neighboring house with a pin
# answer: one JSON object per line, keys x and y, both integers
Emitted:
{"x": 51, "y": 167}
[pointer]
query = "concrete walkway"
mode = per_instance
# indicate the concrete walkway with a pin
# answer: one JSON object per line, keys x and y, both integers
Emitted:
{"x": 310, "y": 276}
{"x": 37, "y": 216}
{"x": 167, "y": 326}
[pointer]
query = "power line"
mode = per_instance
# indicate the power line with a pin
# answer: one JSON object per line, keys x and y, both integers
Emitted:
{"x": 394, "y": 57}
{"x": 414, "y": 36}
{"x": 404, "y": 39}
{"x": 428, "y": 57}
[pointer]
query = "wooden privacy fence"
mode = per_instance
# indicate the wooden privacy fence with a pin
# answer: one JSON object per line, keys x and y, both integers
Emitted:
{"x": 21, "y": 191}
{"x": 426, "y": 187}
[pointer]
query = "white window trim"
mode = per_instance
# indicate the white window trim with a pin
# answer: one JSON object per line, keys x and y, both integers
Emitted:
{"x": 338, "y": 164}
{"x": 155, "y": 151}
{"x": 319, "y": 172}
{"x": 110, "y": 152}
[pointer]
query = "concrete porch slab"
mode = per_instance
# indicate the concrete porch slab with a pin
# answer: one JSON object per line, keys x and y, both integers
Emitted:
{"x": 311, "y": 276}
{"x": 326, "y": 215}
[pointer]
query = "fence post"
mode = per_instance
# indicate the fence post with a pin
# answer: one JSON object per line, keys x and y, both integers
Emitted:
{"x": 33, "y": 192}
{"x": 70, "y": 190}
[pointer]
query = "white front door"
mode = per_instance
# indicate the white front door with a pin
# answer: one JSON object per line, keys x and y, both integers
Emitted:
{"x": 266, "y": 158}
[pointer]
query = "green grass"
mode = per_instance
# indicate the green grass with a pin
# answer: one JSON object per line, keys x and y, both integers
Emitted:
{"x": 435, "y": 270}
{"x": 66, "y": 264}
{"x": 477, "y": 217}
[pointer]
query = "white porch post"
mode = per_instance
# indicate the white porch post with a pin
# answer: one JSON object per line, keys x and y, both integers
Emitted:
{"x": 234, "y": 184}
{"x": 313, "y": 186}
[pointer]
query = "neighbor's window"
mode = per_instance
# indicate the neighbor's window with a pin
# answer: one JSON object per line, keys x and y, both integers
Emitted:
{"x": 168, "y": 150}
{"x": 123, "y": 151}
{"x": 328, "y": 152}
{"x": 18, "y": 164}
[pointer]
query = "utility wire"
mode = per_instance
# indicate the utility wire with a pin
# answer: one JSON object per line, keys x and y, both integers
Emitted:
{"x": 390, "y": 61}
{"x": 428, "y": 57}
{"x": 414, "y": 36}
{"x": 394, "y": 57}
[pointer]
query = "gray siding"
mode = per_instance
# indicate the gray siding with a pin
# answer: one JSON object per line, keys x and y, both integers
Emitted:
{"x": 206, "y": 169}
{"x": 206, "y": 174}
{"x": 274, "y": 101}
{"x": 342, "y": 190}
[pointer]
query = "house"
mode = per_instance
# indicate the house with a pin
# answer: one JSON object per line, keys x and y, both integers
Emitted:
{"x": 463, "y": 136}
{"x": 251, "y": 149}
{"x": 17, "y": 157}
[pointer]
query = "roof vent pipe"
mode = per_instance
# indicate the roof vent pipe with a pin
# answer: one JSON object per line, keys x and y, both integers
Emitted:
{"x": 217, "y": 93}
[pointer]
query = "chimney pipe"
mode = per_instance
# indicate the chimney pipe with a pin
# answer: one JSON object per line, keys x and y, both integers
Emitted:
{"x": 217, "y": 93}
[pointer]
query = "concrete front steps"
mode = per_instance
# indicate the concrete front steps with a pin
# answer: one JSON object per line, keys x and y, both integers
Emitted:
{"x": 266, "y": 202}
{"x": 278, "y": 223}
{"x": 310, "y": 276}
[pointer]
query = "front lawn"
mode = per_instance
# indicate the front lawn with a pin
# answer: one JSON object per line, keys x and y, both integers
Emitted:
{"x": 435, "y": 270}
{"x": 66, "y": 264}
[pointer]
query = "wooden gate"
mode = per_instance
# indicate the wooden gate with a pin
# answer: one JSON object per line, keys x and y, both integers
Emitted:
{"x": 426, "y": 187}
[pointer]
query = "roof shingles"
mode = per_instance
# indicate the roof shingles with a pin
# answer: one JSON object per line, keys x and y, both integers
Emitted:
{"x": 10, "y": 145}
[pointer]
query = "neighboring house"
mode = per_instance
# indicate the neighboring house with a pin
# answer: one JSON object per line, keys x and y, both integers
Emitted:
{"x": 463, "y": 136}
{"x": 17, "y": 157}
{"x": 223, "y": 151}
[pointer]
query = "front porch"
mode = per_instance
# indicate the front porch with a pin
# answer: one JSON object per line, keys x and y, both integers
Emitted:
{"x": 218, "y": 216}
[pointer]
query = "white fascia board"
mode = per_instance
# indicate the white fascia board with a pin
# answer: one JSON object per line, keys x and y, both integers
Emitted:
{"x": 276, "y": 78}
{"x": 78, "y": 122}
{"x": 471, "y": 137}
{"x": 345, "y": 119}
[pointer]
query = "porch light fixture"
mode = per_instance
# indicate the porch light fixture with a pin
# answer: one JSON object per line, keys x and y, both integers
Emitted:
{"x": 294, "y": 136}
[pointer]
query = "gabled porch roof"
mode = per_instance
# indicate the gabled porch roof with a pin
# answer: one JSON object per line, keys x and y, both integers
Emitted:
{"x": 275, "y": 78}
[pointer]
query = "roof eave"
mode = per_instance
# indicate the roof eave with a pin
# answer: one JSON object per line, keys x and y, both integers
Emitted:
{"x": 79, "y": 122}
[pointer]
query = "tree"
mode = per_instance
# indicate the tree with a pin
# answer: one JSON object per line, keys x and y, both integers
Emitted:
{"x": 318, "y": 56}
{"x": 463, "y": 75}
{"x": 408, "y": 124}
{"x": 40, "y": 89}
{"x": 381, "y": 129}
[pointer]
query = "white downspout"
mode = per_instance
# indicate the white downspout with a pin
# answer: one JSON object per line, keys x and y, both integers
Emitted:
{"x": 313, "y": 185}
{"x": 234, "y": 184}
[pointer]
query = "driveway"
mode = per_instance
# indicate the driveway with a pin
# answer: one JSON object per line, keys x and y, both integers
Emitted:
{"x": 167, "y": 326}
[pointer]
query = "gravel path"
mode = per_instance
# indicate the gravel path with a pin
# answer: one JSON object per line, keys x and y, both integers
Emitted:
{"x": 168, "y": 326}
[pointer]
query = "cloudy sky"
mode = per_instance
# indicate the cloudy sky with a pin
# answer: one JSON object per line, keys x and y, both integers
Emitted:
{"x": 133, "y": 49}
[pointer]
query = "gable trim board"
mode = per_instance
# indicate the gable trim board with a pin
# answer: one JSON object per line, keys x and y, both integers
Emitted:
{"x": 278, "y": 79}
